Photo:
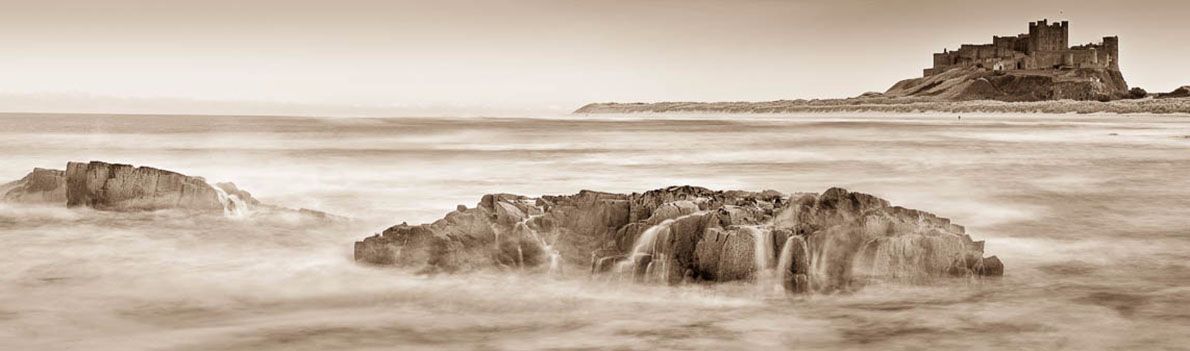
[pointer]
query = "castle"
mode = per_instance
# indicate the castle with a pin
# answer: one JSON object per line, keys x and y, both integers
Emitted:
{"x": 1045, "y": 47}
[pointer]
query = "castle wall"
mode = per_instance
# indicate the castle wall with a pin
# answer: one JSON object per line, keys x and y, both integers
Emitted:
{"x": 1046, "y": 59}
{"x": 1004, "y": 42}
{"x": 1084, "y": 58}
{"x": 978, "y": 53}
{"x": 943, "y": 60}
{"x": 1022, "y": 43}
{"x": 1102, "y": 55}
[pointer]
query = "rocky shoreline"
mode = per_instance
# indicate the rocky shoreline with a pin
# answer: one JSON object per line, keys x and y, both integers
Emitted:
{"x": 1173, "y": 104}
{"x": 833, "y": 241}
{"x": 836, "y": 241}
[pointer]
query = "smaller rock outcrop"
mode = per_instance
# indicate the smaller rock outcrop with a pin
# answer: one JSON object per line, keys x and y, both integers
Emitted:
{"x": 119, "y": 187}
{"x": 42, "y": 186}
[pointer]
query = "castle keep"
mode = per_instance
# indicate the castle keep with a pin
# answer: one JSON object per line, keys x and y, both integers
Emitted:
{"x": 1046, "y": 46}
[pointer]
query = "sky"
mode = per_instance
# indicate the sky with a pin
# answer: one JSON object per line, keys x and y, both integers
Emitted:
{"x": 350, "y": 56}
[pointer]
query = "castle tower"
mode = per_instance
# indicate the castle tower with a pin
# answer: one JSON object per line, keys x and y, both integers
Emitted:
{"x": 1112, "y": 47}
{"x": 1063, "y": 37}
{"x": 1044, "y": 36}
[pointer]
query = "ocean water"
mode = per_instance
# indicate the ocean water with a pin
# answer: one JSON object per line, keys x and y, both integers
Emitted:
{"x": 1091, "y": 215}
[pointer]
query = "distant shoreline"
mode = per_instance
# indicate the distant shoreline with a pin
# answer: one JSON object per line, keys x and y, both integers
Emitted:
{"x": 1169, "y": 106}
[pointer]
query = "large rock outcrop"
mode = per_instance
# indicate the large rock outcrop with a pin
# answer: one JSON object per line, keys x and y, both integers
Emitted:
{"x": 120, "y": 187}
{"x": 975, "y": 83}
{"x": 42, "y": 186}
{"x": 837, "y": 240}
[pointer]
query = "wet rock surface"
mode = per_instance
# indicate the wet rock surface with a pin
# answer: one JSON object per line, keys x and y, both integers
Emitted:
{"x": 833, "y": 241}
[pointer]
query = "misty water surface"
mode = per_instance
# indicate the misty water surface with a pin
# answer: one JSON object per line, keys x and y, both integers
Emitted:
{"x": 1089, "y": 214}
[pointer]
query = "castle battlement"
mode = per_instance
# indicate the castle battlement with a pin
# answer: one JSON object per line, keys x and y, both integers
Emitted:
{"x": 1045, "y": 46}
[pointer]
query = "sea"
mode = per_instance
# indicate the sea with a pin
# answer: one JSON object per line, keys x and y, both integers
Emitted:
{"x": 1089, "y": 213}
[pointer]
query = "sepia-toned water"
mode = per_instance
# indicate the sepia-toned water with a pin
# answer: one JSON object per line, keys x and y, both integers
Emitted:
{"x": 1090, "y": 214}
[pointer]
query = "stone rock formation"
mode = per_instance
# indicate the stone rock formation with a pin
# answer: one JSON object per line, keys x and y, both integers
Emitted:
{"x": 42, "y": 186}
{"x": 119, "y": 187}
{"x": 834, "y": 241}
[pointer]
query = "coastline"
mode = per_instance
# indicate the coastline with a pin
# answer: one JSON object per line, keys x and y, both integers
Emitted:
{"x": 1147, "y": 106}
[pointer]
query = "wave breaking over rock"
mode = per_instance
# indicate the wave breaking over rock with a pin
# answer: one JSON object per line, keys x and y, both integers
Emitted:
{"x": 804, "y": 242}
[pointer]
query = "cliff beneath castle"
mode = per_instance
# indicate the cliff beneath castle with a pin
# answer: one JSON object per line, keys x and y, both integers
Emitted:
{"x": 974, "y": 83}
{"x": 833, "y": 241}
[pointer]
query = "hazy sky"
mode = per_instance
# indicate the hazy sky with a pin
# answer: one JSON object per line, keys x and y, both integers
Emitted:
{"x": 534, "y": 54}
